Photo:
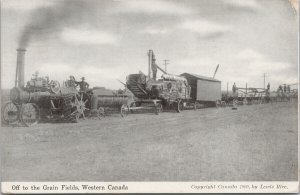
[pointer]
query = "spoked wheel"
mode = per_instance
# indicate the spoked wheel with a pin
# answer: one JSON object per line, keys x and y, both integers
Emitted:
{"x": 179, "y": 106}
{"x": 81, "y": 105}
{"x": 10, "y": 113}
{"x": 54, "y": 86}
{"x": 29, "y": 114}
{"x": 218, "y": 103}
{"x": 132, "y": 105}
{"x": 158, "y": 108}
{"x": 245, "y": 101}
{"x": 235, "y": 104}
{"x": 101, "y": 112}
{"x": 124, "y": 110}
{"x": 196, "y": 105}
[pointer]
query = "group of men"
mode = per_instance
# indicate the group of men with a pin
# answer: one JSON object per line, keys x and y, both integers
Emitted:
{"x": 83, "y": 85}
{"x": 284, "y": 89}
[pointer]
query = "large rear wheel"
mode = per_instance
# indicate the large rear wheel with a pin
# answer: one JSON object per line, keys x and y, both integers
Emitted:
{"x": 10, "y": 113}
{"x": 29, "y": 114}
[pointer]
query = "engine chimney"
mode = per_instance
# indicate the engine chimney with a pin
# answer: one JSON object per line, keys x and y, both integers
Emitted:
{"x": 150, "y": 58}
{"x": 20, "y": 68}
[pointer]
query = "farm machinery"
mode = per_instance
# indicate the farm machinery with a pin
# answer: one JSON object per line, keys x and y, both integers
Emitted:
{"x": 169, "y": 92}
{"x": 42, "y": 99}
{"x": 286, "y": 92}
{"x": 246, "y": 96}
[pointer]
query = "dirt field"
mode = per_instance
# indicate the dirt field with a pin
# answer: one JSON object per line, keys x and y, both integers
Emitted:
{"x": 257, "y": 142}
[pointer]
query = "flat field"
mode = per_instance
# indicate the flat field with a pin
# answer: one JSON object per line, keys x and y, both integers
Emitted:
{"x": 253, "y": 143}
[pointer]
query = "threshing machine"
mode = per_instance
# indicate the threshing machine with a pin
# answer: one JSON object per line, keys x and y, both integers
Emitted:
{"x": 169, "y": 92}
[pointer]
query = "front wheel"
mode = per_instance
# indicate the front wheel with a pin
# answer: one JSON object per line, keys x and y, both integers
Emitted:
{"x": 124, "y": 110}
{"x": 179, "y": 106}
{"x": 158, "y": 108}
{"x": 245, "y": 101}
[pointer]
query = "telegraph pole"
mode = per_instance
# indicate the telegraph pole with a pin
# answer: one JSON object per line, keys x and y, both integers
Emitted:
{"x": 227, "y": 89}
{"x": 265, "y": 80}
{"x": 166, "y": 62}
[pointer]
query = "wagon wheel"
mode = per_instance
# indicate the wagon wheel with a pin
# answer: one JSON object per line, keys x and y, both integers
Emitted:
{"x": 81, "y": 105}
{"x": 260, "y": 100}
{"x": 133, "y": 105}
{"x": 196, "y": 105}
{"x": 54, "y": 87}
{"x": 158, "y": 108}
{"x": 10, "y": 113}
{"x": 29, "y": 114}
{"x": 101, "y": 112}
{"x": 218, "y": 103}
{"x": 179, "y": 106}
{"x": 245, "y": 101}
{"x": 124, "y": 110}
{"x": 235, "y": 103}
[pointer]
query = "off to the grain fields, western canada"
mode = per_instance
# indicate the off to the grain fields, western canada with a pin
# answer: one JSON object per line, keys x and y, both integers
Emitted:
{"x": 149, "y": 96}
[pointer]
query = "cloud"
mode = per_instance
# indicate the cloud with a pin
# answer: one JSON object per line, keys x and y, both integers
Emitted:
{"x": 255, "y": 63}
{"x": 249, "y": 4}
{"x": 151, "y": 7}
{"x": 87, "y": 36}
{"x": 249, "y": 54}
{"x": 196, "y": 64}
{"x": 155, "y": 30}
{"x": 21, "y": 5}
{"x": 204, "y": 28}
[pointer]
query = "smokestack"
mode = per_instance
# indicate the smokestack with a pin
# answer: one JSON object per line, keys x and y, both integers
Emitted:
{"x": 150, "y": 57}
{"x": 20, "y": 68}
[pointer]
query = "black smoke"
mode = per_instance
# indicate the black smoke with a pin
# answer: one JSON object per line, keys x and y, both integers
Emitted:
{"x": 51, "y": 19}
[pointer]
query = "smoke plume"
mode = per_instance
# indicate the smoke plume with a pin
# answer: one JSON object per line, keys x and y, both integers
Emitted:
{"x": 52, "y": 19}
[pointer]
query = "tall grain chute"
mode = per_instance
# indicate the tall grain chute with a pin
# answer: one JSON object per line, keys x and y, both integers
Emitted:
{"x": 150, "y": 62}
{"x": 20, "y": 70}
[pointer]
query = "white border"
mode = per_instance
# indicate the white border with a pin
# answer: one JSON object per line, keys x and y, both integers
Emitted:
{"x": 149, "y": 187}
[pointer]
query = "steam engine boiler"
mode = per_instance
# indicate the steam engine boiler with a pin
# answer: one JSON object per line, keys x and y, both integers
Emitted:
{"x": 42, "y": 99}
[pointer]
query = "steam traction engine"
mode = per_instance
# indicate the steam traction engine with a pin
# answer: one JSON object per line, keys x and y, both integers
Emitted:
{"x": 43, "y": 99}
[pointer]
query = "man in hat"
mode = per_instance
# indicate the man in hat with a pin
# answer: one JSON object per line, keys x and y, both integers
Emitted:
{"x": 234, "y": 90}
{"x": 235, "y": 97}
{"x": 82, "y": 84}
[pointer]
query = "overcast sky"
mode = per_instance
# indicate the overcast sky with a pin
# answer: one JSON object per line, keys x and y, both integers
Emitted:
{"x": 106, "y": 40}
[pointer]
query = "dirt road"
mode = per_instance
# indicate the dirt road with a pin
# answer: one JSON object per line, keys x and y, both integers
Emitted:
{"x": 257, "y": 142}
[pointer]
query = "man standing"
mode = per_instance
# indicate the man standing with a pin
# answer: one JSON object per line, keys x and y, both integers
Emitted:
{"x": 288, "y": 89}
{"x": 268, "y": 87}
{"x": 234, "y": 90}
{"x": 82, "y": 84}
{"x": 235, "y": 97}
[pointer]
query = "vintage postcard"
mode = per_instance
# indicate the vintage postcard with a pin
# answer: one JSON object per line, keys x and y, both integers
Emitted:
{"x": 149, "y": 96}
